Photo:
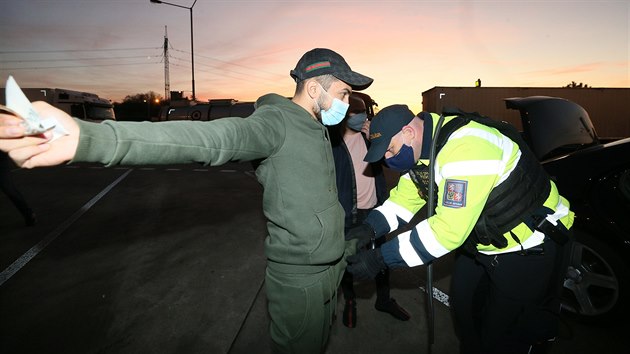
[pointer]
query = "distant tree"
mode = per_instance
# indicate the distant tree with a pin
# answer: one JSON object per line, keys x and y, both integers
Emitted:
{"x": 573, "y": 84}
{"x": 138, "y": 107}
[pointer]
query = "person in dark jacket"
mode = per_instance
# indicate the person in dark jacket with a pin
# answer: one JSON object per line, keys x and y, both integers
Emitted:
{"x": 361, "y": 187}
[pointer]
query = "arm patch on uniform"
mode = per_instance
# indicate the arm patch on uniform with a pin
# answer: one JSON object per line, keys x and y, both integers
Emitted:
{"x": 454, "y": 193}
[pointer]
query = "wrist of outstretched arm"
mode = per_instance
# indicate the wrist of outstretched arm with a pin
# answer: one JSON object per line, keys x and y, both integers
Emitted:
{"x": 97, "y": 143}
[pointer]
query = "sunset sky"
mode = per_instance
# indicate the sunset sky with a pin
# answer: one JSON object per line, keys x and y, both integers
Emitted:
{"x": 245, "y": 48}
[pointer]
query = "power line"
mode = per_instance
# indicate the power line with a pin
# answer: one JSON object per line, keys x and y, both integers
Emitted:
{"x": 230, "y": 63}
{"x": 72, "y": 50}
{"x": 229, "y": 74}
{"x": 75, "y": 59}
{"x": 225, "y": 71}
{"x": 77, "y": 66}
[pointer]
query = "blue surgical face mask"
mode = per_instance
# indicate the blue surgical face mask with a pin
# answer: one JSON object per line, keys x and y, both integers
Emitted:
{"x": 403, "y": 161}
{"x": 355, "y": 122}
{"x": 336, "y": 113}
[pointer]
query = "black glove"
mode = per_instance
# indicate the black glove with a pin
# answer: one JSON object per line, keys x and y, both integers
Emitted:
{"x": 364, "y": 234}
{"x": 365, "y": 265}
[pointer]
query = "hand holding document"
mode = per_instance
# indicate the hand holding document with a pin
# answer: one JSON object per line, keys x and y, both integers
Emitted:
{"x": 19, "y": 106}
{"x": 36, "y": 134}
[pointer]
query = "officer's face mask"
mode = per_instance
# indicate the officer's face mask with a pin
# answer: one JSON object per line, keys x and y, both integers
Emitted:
{"x": 355, "y": 122}
{"x": 337, "y": 111}
{"x": 403, "y": 161}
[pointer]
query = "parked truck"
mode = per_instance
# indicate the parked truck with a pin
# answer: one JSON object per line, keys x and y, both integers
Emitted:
{"x": 83, "y": 105}
{"x": 202, "y": 111}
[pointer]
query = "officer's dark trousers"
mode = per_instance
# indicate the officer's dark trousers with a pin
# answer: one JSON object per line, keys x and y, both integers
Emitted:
{"x": 505, "y": 303}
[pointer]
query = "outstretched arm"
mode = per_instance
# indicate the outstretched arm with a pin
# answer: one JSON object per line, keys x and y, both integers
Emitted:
{"x": 38, "y": 150}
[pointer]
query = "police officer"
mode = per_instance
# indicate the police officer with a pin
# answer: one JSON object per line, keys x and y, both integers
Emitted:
{"x": 495, "y": 205}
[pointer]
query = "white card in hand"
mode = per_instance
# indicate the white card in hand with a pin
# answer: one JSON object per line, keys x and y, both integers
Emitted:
{"x": 19, "y": 103}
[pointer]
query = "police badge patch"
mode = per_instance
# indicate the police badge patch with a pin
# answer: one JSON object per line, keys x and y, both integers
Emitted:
{"x": 455, "y": 193}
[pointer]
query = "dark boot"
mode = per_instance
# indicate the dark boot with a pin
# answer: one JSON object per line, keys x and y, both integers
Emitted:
{"x": 384, "y": 302}
{"x": 393, "y": 309}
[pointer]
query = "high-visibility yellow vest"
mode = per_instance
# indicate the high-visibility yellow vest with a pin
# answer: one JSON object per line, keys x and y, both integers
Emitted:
{"x": 475, "y": 159}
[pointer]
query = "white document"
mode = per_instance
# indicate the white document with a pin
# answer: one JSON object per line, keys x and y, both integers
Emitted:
{"x": 19, "y": 105}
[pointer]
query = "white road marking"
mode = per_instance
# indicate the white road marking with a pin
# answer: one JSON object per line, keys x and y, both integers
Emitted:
{"x": 31, "y": 253}
{"x": 439, "y": 295}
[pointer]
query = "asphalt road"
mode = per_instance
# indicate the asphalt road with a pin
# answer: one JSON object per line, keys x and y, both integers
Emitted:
{"x": 169, "y": 259}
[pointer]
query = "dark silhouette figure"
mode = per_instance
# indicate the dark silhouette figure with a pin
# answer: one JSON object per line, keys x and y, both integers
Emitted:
{"x": 9, "y": 188}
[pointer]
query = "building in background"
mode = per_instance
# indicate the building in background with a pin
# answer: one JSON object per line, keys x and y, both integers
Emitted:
{"x": 608, "y": 108}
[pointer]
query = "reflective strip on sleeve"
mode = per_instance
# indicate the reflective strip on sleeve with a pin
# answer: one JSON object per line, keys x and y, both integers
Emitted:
{"x": 406, "y": 250}
{"x": 392, "y": 211}
{"x": 472, "y": 168}
{"x": 420, "y": 246}
{"x": 428, "y": 239}
{"x": 481, "y": 167}
{"x": 501, "y": 141}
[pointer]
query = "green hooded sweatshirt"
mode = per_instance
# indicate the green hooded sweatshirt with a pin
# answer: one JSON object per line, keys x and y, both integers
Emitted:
{"x": 297, "y": 172}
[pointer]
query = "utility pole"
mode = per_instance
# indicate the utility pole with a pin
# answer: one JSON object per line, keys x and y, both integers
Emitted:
{"x": 167, "y": 80}
{"x": 192, "y": 46}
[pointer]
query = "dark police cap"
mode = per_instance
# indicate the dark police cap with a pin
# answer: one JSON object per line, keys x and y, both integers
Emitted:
{"x": 386, "y": 123}
{"x": 322, "y": 61}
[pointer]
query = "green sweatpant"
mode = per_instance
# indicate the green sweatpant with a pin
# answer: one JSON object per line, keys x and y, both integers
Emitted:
{"x": 302, "y": 301}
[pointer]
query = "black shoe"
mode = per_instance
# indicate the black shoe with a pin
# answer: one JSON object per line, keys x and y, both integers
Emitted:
{"x": 393, "y": 309}
{"x": 30, "y": 219}
{"x": 350, "y": 314}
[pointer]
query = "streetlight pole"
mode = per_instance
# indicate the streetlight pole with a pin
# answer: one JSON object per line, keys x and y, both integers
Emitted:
{"x": 192, "y": 46}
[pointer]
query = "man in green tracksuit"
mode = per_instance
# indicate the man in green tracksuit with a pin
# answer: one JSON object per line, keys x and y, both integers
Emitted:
{"x": 305, "y": 245}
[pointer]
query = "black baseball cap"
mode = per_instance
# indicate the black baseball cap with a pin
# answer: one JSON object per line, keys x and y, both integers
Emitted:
{"x": 322, "y": 61}
{"x": 388, "y": 122}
